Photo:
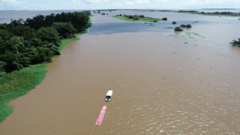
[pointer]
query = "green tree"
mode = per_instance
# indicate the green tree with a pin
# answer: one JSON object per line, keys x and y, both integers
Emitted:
{"x": 5, "y": 35}
{"x": 28, "y": 33}
{"x": 2, "y": 66}
{"x": 2, "y": 46}
{"x": 49, "y": 34}
{"x": 8, "y": 56}
{"x": 65, "y": 29}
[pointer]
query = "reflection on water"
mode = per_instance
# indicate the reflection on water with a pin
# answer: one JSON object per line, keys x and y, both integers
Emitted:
{"x": 161, "y": 85}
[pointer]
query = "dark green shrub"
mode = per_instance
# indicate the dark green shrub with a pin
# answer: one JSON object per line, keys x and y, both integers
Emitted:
{"x": 8, "y": 56}
{"x": 183, "y": 25}
{"x": 2, "y": 46}
{"x": 188, "y": 26}
{"x": 178, "y": 29}
{"x": 2, "y": 66}
{"x": 130, "y": 17}
{"x": 141, "y": 16}
{"x": 135, "y": 18}
{"x": 65, "y": 29}
{"x": 5, "y": 35}
{"x": 164, "y": 18}
{"x": 49, "y": 34}
{"x": 174, "y": 22}
{"x": 236, "y": 43}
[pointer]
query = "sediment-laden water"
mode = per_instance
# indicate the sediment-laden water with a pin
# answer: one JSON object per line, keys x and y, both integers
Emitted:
{"x": 161, "y": 84}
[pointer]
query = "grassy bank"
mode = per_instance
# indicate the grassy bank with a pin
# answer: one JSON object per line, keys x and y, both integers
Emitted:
{"x": 19, "y": 83}
{"x": 145, "y": 19}
{"x": 239, "y": 19}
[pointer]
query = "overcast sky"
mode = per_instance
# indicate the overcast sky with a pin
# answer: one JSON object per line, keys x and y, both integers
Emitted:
{"x": 115, "y": 4}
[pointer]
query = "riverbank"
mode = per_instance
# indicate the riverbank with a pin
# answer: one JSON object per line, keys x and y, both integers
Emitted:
{"x": 145, "y": 19}
{"x": 20, "y": 82}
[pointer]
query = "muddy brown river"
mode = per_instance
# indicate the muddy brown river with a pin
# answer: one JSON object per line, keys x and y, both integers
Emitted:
{"x": 163, "y": 82}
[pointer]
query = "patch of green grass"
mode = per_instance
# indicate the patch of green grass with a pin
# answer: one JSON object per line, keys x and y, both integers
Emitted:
{"x": 190, "y": 35}
{"x": 185, "y": 42}
{"x": 146, "y": 19}
{"x": 19, "y": 83}
{"x": 239, "y": 19}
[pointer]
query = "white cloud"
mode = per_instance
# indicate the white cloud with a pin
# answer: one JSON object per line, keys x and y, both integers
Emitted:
{"x": 141, "y": 1}
{"x": 164, "y": 1}
{"x": 88, "y": 1}
{"x": 125, "y": 2}
{"x": 14, "y": 3}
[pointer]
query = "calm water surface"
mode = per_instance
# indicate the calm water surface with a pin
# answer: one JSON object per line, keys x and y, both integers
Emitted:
{"x": 161, "y": 84}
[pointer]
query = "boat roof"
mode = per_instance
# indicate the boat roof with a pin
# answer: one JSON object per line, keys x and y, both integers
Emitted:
{"x": 109, "y": 93}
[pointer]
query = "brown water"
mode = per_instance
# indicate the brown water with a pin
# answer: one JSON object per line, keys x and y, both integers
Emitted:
{"x": 161, "y": 85}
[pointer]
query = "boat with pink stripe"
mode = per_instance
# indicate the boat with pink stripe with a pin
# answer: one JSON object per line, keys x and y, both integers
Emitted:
{"x": 101, "y": 115}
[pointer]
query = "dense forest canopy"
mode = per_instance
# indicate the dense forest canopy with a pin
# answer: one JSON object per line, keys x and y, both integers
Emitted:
{"x": 37, "y": 39}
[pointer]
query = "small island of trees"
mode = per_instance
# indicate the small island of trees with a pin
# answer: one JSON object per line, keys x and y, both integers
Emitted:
{"x": 236, "y": 42}
{"x": 177, "y": 29}
{"x": 164, "y": 18}
{"x": 136, "y": 18}
{"x": 186, "y": 26}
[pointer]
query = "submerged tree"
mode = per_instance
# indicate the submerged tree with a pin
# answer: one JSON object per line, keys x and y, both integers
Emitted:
{"x": 188, "y": 26}
{"x": 236, "y": 42}
{"x": 178, "y": 29}
{"x": 183, "y": 25}
{"x": 164, "y": 18}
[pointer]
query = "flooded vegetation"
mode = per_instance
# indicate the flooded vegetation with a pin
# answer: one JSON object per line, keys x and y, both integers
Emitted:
{"x": 177, "y": 29}
{"x": 236, "y": 42}
{"x": 187, "y": 83}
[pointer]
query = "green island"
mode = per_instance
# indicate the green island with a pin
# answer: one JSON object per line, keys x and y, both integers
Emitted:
{"x": 134, "y": 18}
{"x": 26, "y": 48}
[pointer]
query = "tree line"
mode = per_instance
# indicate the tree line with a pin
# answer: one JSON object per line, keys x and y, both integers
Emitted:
{"x": 37, "y": 39}
{"x": 210, "y": 13}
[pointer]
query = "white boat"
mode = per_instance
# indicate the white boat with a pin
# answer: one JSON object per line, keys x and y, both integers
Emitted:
{"x": 109, "y": 96}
